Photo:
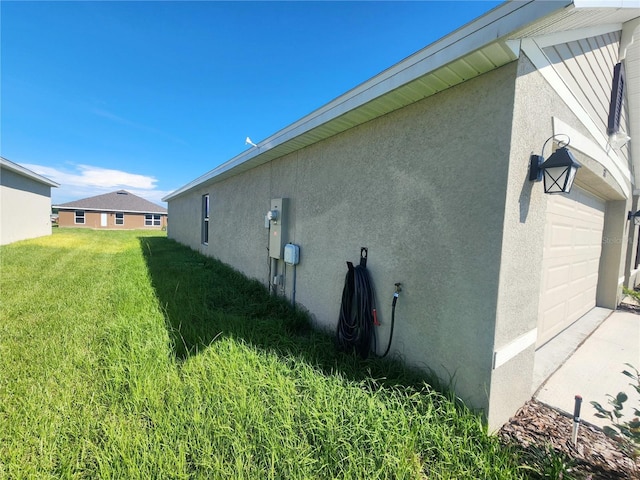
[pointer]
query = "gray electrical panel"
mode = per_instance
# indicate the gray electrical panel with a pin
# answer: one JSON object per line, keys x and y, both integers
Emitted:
{"x": 278, "y": 227}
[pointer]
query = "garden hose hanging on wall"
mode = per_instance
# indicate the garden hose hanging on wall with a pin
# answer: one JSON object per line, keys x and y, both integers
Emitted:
{"x": 396, "y": 294}
{"x": 358, "y": 314}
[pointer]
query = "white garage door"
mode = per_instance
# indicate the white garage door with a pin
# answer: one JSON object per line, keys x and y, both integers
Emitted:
{"x": 572, "y": 246}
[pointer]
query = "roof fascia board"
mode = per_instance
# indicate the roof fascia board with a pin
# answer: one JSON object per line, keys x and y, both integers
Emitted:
{"x": 492, "y": 26}
{"x": 543, "y": 65}
{"x": 485, "y": 30}
{"x": 606, "y": 3}
{"x": 551, "y": 39}
{"x": 495, "y": 24}
{"x": 25, "y": 172}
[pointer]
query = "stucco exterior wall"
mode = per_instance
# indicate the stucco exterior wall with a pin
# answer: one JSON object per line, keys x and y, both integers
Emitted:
{"x": 132, "y": 221}
{"x": 522, "y": 243}
{"x": 523, "y": 236}
{"x": 25, "y": 208}
{"x": 423, "y": 189}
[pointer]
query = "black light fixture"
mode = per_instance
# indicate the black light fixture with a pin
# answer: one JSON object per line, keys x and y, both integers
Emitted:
{"x": 635, "y": 217}
{"x": 558, "y": 171}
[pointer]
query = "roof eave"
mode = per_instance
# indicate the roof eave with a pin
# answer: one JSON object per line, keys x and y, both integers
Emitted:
{"x": 492, "y": 28}
{"x": 25, "y": 172}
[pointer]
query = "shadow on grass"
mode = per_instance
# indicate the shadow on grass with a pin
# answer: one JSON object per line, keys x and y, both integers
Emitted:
{"x": 204, "y": 300}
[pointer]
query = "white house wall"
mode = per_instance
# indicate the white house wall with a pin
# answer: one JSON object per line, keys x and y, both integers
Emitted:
{"x": 25, "y": 208}
{"x": 423, "y": 188}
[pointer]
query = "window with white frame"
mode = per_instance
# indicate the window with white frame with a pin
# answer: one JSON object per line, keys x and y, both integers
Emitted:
{"x": 205, "y": 219}
{"x": 79, "y": 217}
{"x": 119, "y": 218}
{"x": 151, "y": 220}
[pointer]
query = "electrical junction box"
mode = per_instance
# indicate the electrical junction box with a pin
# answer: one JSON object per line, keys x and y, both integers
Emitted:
{"x": 291, "y": 254}
{"x": 277, "y": 227}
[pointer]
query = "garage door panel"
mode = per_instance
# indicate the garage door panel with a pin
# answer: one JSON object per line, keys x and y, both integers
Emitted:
{"x": 561, "y": 209}
{"x": 579, "y": 270}
{"x": 557, "y": 276}
{"x": 591, "y": 218}
{"x": 556, "y": 296}
{"x": 548, "y": 323}
{"x": 586, "y": 237}
{"x": 581, "y": 285}
{"x": 561, "y": 236}
{"x": 571, "y": 259}
{"x": 584, "y": 268}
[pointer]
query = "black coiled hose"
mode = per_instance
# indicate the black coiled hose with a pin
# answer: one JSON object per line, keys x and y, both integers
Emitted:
{"x": 357, "y": 312}
{"x": 358, "y": 315}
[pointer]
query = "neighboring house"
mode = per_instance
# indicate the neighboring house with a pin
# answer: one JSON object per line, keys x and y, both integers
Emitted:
{"x": 115, "y": 210}
{"x": 25, "y": 203}
{"x": 427, "y": 165}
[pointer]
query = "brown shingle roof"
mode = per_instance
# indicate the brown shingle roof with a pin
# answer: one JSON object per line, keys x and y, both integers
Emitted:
{"x": 120, "y": 201}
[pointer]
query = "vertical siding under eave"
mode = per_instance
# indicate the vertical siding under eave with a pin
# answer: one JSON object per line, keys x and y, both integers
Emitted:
{"x": 586, "y": 66}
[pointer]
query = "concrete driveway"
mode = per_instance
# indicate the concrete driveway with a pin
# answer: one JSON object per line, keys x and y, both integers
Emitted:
{"x": 594, "y": 369}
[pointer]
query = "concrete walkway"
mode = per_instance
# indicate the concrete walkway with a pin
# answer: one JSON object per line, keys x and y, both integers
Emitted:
{"x": 594, "y": 370}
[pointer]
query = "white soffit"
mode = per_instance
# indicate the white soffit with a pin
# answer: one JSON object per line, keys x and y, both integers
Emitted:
{"x": 472, "y": 50}
{"x": 476, "y": 48}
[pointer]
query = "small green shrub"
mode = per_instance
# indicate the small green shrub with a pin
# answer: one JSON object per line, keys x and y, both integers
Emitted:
{"x": 544, "y": 462}
{"x": 632, "y": 293}
{"x": 626, "y": 432}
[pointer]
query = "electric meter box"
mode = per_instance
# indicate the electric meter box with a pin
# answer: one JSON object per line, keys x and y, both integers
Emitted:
{"x": 277, "y": 218}
{"x": 291, "y": 254}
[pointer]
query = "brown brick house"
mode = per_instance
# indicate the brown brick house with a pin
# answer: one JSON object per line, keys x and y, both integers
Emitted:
{"x": 115, "y": 210}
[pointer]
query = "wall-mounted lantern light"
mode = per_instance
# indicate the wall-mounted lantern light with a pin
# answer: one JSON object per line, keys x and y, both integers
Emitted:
{"x": 558, "y": 171}
{"x": 635, "y": 217}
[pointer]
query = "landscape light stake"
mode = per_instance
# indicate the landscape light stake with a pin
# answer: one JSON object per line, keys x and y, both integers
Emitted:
{"x": 576, "y": 420}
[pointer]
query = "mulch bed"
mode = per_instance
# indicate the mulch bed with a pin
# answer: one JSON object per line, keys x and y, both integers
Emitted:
{"x": 629, "y": 307}
{"x": 537, "y": 426}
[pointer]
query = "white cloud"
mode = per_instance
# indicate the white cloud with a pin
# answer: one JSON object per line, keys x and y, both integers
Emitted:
{"x": 87, "y": 175}
{"x": 87, "y": 181}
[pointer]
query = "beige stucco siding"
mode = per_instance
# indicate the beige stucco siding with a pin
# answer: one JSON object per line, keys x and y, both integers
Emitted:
{"x": 25, "y": 208}
{"x": 536, "y": 105}
{"x": 423, "y": 188}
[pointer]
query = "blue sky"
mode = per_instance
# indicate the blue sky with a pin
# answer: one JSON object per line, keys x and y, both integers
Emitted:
{"x": 147, "y": 96}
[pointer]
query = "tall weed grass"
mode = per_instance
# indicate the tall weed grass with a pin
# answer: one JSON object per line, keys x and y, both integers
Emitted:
{"x": 126, "y": 355}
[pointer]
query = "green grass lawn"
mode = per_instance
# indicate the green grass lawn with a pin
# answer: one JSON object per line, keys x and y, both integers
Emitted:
{"x": 125, "y": 355}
